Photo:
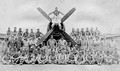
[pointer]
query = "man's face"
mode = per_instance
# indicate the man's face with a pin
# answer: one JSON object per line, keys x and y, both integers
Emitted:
{"x": 87, "y": 29}
{"x": 15, "y": 28}
{"x": 26, "y": 30}
{"x": 31, "y": 30}
{"x": 62, "y": 38}
{"x": 9, "y": 28}
{"x": 20, "y": 29}
{"x": 78, "y": 30}
{"x": 56, "y": 8}
{"x": 73, "y": 29}
{"x": 82, "y": 29}
{"x": 51, "y": 37}
{"x": 38, "y": 30}
{"x": 91, "y": 29}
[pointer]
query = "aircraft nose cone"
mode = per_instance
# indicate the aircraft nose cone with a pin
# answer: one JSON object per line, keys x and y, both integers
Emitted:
{"x": 56, "y": 26}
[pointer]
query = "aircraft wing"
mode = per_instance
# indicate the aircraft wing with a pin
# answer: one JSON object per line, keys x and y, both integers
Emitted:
{"x": 68, "y": 14}
{"x": 44, "y": 37}
{"x": 68, "y": 37}
{"x": 43, "y": 13}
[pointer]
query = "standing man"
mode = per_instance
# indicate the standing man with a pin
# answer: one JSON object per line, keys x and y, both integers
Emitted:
{"x": 14, "y": 32}
{"x": 38, "y": 33}
{"x": 26, "y": 34}
{"x": 9, "y": 32}
{"x": 97, "y": 32}
{"x": 20, "y": 32}
{"x": 32, "y": 34}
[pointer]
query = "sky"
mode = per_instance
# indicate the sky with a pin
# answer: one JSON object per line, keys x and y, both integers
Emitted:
{"x": 104, "y": 14}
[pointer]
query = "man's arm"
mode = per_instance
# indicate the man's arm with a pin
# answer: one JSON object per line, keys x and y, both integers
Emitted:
{"x": 61, "y": 13}
{"x": 50, "y": 13}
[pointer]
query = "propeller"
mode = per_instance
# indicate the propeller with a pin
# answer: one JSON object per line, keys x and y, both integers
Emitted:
{"x": 44, "y": 37}
{"x": 67, "y": 15}
{"x": 68, "y": 37}
{"x": 43, "y": 13}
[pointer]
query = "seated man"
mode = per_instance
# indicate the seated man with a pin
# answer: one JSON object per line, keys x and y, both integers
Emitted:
{"x": 80, "y": 58}
{"x": 56, "y": 18}
{"x": 71, "y": 58}
{"x": 62, "y": 58}
{"x": 6, "y": 59}
{"x": 51, "y": 42}
{"x": 42, "y": 58}
{"x": 62, "y": 43}
{"x": 53, "y": 57}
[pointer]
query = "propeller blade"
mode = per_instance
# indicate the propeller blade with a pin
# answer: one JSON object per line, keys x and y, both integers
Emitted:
{"x": 43, "y": 13}
{"x": 68, "y": 37}
{"x": 68, "y": 14}
{"x": 44, "y": 37}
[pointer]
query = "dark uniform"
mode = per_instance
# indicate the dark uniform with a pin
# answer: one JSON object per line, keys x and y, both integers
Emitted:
{"x": 38, "y": 33}
{"x": 9, "y": 32}
{"x": 20, "y": 33}
{"x": 26, "y": 34}
{"x": 14, "y": 32}
{"x": 32, "y": 34}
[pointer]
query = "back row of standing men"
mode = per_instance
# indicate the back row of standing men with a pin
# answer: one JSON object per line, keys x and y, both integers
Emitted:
{"x": 25, "y": 34}
{"x": 85, "y": 32}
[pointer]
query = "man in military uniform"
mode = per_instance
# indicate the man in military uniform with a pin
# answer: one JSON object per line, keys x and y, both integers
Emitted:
{"x": 87, "y": 33}
{"x": 26, "y": 34}
{"x": 43, "y": 57}
{"x": 82, "y": 32}
{"x": 20, "y": 32}
{"x": 14, "y": 32}
{"x": 62, "y": 43}
{"x": 51, "y": 42}
{"x": 92, "y": 33}
{"x": 56, "y": 15}
{"x": 55, "y": 19}
{"x": 62, "y": 58}
{"x": 73, "y": 34}
{"x": 80, "y": 58}
{"x": 32, "y": 34}
{"x": 97, "y": 32}
{"x": 9, "y": 32}
{"x": 71, "y": 58}
{"x": 38, "y": 33}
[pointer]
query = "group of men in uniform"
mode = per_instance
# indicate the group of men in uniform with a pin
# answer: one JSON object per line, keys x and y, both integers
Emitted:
{"x": 91, "y": 49}
{"x": 98, "y": 49}
{"x": 25, "y": 34}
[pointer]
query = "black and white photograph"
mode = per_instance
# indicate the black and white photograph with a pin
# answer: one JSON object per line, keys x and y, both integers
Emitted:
{"x": 59, "y": 35}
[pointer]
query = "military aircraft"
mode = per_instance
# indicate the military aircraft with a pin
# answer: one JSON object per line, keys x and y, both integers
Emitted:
{"x": 56, "y": 30}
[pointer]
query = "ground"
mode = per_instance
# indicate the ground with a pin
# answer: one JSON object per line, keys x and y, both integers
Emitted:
{"x": 59, "y": 68}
